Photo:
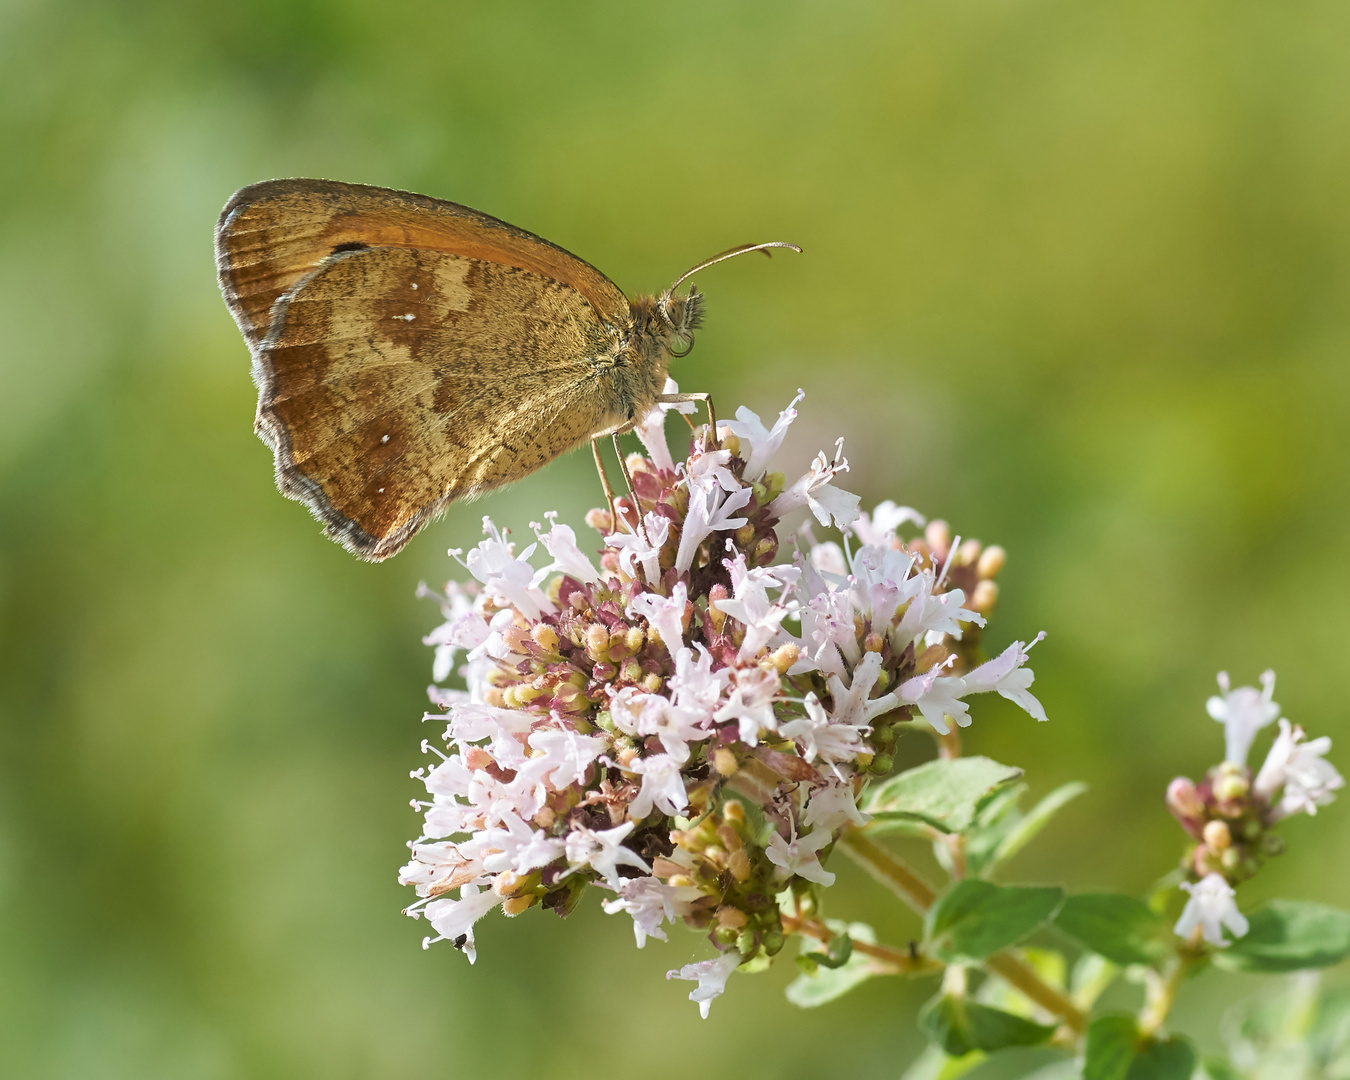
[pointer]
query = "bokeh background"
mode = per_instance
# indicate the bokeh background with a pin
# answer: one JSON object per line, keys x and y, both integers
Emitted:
{"x": 1075, "y": 279}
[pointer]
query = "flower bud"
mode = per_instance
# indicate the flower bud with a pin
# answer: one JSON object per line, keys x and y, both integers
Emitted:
{"x": 599, "y": 520}
{"x": 516, "y": 904}
{"x": 1217, "y": 835}
{"x": 1184, "y": 800}
{"x": 873, "y": 642}
{"x": 784, "y": 657}
{"x": 984, "y": 596}
{"x": 739, "y": 865}
{"x": 716, "y": 594}
{"x": 545, "y": 637}
{"x": 991, "y": 562}
{"x": 724, "y": 761}
{"x": 1230, "y": 786}
{"x": 597, "y": 641}
{"x": 939, "y": 537}
{"x": 969, "y": 552}
{"x": 730, "y": 916}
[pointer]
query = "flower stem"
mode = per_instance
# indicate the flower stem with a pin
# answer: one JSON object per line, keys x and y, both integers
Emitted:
{"x": 1016, "y": 972}
{"x": 902, "y": 961}
{"x": 1161, "y": 992}
{"x": 919, "y": 896}
{"x": 889, "y": 871}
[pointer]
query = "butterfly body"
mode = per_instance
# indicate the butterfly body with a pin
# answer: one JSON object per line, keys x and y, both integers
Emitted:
{"x": 409, "y": 352}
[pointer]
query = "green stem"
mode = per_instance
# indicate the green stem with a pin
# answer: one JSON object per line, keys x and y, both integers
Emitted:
{"x": 901, "y": 961}
{"x": 889, "y": 871}
{"x": 919, "y": 896}
{"x": 1161, "y": 993}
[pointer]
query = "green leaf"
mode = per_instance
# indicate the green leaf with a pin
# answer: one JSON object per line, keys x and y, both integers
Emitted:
{"x": 831, "y": 980}
{"x": 1214, "y": 1068}
{"x": 973, "y": 919}
{"x": 945, "y": 793}
{"x": 935, "y": 1064}
{"x": 1115, "y": 1051}
{"x": 1120, "y": 928}
{"x": 808, "y": 991}
{"x": 1163, "y": 1059}
{"x": 1110, "y": 1047}
{"x": 959, "y": 1026}
{"x": 836, "y": 953}
{"x": 1289, "y": 935}
{"x": 1020, "y": 834}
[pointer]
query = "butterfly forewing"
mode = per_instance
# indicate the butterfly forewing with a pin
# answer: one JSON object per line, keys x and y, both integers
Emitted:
{"x": 396, "y": 377}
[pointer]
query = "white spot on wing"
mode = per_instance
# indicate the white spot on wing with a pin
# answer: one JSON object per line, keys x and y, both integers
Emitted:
{"x": 384, "y": 438}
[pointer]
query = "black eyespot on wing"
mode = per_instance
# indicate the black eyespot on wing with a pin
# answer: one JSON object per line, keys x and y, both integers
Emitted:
{"x": 354, "y": 245}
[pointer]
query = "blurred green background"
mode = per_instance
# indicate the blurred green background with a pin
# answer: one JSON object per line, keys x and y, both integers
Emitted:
{"x": 1075, "y": 279}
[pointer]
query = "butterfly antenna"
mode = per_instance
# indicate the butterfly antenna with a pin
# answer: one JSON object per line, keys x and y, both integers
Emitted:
{"x": 731, "y": 253}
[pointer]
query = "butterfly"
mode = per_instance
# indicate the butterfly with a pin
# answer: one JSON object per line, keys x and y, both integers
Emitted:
{"x": 410, "y": 352}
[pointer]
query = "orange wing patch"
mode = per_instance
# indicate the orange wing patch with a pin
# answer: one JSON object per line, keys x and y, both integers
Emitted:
{"x": 272, "y": 235}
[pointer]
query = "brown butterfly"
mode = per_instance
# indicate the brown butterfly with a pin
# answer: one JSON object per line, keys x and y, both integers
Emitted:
{"x": 410, "y": 352}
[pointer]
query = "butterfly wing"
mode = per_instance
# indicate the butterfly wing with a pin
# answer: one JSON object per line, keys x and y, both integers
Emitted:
{"x": 410, "y": 352}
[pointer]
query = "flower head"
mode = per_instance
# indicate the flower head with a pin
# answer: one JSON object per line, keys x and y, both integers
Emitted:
{"x": 687, "y": 722}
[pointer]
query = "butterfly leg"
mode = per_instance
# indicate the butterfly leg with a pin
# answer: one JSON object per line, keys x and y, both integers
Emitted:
{"x": 604, "y": 483}
{"x": 675, "y": 399}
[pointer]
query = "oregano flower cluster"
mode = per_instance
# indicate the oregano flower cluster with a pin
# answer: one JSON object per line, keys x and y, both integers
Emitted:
{"x": 687, "y": 722}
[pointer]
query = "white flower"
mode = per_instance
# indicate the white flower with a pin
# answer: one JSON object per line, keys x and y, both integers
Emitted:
{"x": 814, "y": 490}
{"x": 562, "y": 756}
{"x": 750, "y": 702}
{"x": 828, "y": 558}
{"x": 1243, "y": 712}
{"x": 561, "y": 543}
{"x": 833, "y": 806}
{"x": 652, "y": 429}
{"x": 695, "y": 685}
{"x": 664, "y": 613}
{"x": 880, "y": 528}
{"x": 932, "y": 613}
{"x": 798, "y": 856}
{"x": 516, "y": 846}
{"x": 642, "y": 547}
{"x": 504, "y": 574}
{"x": 603, "y": 851}
{"x": 758, "y": 443}
{"x": 851, "y": 704}
{"x": 464, "y": 628}
{"x": 937, "y": 698}
{"x": 709, "y": 512}
{"x": 662, "y": 786}
{"x": 816, "y": 737}
{"x": 711, "y": 976}
{"x": 1297, "y": 767}
{"x": 454, "y": 919}
{"x": 434, "y": 866}
{"x": 751, "y": 607}
{"x": 708, "y": 471}
{"x": 650, "y": 901}
{"x": 1211, "y": 907}
{"x": 1006, "y": 674}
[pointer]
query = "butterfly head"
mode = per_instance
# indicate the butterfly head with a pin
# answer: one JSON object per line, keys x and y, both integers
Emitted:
{"x": 680, "y": 316}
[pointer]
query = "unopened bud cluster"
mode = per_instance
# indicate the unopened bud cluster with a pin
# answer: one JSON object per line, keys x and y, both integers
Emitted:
{"x": 1230, "y": 813}
{"x": 690, "y": 724}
